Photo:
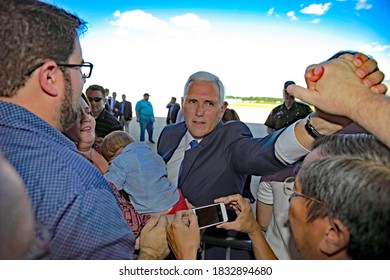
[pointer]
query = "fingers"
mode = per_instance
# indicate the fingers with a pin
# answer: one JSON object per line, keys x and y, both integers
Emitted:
{"x": 227, "y": 226}
{"x": 229, "y": 199}
{"x": 313, "y": 73}
{"x": 189, "y": 205}
{"x": 373, "y": 79}
{"x": 151, "y": 223}
{"x": 162, "y": 222}
{"x": 382, "y": 89}
{"x": 302, "y": 93}
{"x": 193, "y": 221}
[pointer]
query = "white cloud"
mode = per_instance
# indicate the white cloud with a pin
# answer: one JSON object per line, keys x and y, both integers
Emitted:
{"x": 362, "y": 4}
{"x": 291, "y": 15}
{"x": 316, "y": 9}
{"x": 375, "y": 47}
{"x": 192, "y": 22}
{"x": 316, "y": 20}
{"x": 138, "y": 20}
{"x": 270, "y": 11}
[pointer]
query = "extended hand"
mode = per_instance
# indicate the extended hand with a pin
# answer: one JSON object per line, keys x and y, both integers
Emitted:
{"x": 245, "y": 221}
{"x": 153, "y": 239}
{"x": 184, "y": 235}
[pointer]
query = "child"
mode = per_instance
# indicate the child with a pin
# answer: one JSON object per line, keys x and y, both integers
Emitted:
{"x": 142, "y": 174}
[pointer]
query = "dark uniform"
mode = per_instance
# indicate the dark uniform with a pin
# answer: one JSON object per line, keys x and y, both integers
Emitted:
{"x": 280, "y": 116}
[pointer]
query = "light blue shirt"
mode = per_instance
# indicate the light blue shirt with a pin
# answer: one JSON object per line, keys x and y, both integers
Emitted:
{"x": 142, "y": 173}
{"x": 144, "y": 109}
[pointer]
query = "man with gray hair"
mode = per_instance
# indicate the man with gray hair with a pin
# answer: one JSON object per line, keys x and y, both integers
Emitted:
{"x": 226, "y": 153}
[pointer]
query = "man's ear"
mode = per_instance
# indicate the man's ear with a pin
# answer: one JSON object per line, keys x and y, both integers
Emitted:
{"x": 336, "y": 238}
{"x": 49, "y": 77}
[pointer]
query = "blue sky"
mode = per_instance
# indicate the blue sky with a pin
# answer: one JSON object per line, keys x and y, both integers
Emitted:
{"x": 253, "y": 46}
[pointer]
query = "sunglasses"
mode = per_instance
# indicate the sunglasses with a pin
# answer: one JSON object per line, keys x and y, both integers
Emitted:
{"x": 96, "y": 99}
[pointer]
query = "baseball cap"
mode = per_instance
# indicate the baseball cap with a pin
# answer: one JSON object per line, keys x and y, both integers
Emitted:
{"x": 286, "y": 84}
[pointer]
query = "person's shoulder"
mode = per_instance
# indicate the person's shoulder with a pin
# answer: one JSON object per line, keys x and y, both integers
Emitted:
{"x": 173, "y": 129}
{"x": 234, "y": 123}
{"x": 277, "y": 108}
{"x": 233, "y": 126}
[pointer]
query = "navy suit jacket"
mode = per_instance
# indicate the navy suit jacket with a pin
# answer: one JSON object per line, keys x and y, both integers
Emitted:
{"x": 173, "y": 117}
{"x": 222, "y": 161}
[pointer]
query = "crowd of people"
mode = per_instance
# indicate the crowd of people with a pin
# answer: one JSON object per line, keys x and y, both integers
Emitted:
{"x": 75, "y": 185}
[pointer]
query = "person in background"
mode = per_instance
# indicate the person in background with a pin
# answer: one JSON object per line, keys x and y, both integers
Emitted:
{"x": 145, "y": 117}
{"x": 105, "y": 122}
{"x": 230, "y": 115}
{"x": 108, "y": 99}
{"x": 113, "y": 105}
{"x": 173, "y": 109}
{"x": 141, "y": 173}
{"x": 180, "y": 117}
{"x": 125, "y": 113}
{"x": 286, "y": 113}
{"x": 68, "y": 194}
{"x": 83, "y": 134}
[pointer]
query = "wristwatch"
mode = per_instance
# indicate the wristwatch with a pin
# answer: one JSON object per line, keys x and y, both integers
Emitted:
{"x": 311, "y": 129}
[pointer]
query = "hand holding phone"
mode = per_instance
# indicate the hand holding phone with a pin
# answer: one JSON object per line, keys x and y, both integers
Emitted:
{"x": 211, "y": 215}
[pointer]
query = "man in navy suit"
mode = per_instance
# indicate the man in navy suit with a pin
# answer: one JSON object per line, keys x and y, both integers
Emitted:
{"x": 173, "y": 109}
{"x": 114, "y": 105}
{"x": 125, "y": 113}
{"x": 227, "y": 153}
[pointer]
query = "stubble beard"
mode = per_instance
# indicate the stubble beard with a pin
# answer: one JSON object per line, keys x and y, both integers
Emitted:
{"x": 69, "y": 112}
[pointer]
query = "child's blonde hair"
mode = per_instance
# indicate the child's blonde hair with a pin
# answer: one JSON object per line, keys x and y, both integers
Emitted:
{"x": 114, "y": 143}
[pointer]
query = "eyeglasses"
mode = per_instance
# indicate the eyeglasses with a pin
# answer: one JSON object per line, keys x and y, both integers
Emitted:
{"x": 40, "y": 247}
{"x": 289, "y": 190}
{"x": 96, "y": 99}
{"x": 85, "y": 68}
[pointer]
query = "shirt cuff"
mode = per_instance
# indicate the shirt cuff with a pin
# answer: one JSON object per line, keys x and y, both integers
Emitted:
{"x": 287, "y": 148}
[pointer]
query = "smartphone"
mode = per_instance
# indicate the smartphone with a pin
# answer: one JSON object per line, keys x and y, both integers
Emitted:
{"x": 211, "y": 215}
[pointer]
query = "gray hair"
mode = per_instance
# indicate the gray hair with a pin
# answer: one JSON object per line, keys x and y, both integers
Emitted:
{"x": 203, "y": 76}
{"x": 354, "y": 188}
{"x": 361, "y": 145}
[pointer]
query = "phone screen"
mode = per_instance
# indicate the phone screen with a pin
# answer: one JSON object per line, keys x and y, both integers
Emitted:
{"x": 209, "y": 215}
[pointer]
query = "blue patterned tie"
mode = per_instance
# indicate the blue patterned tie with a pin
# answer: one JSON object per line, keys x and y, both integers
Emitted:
{"x": 193, "y": 144}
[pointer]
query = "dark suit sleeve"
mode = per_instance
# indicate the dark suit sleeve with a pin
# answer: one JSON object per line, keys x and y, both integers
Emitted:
{"x": 255, "y": 156}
